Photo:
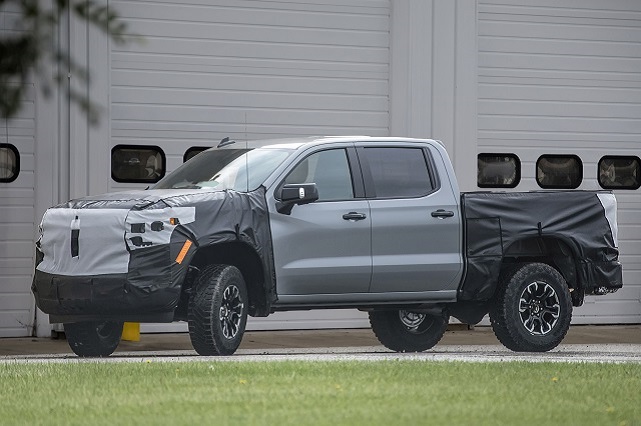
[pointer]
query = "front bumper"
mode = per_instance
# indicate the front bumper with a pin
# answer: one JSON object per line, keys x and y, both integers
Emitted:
{"x": 105, "y": 297}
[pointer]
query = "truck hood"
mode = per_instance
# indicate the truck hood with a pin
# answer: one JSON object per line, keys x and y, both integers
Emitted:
{"x": 138, "y": 199}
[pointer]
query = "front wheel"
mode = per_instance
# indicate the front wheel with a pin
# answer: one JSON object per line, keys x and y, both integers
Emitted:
{"x": 93, "y": 338}
{"x": 408, "y": 331}
{"x": 532, "y": 309}
{"x": 218, "y": 310}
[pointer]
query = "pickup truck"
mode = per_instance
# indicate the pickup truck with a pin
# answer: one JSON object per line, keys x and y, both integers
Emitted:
{"x": 376, "y": 224}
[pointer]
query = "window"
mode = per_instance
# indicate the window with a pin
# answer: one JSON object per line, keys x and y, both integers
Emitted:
{"x": 9, "y": 163}
{"x": 137, "y": 163}
{"x": 235, "y": 169}
{"x": 398, "y": 172}
{"x": 329, "y": 170}
{"x": 193, "y": 151}
{"x": 498, "y": 171}
{"x": 559, "y": 171}
{"x": 620, "y": 172}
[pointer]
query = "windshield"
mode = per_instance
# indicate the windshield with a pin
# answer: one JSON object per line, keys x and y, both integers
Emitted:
{"x": 237, "y": 169}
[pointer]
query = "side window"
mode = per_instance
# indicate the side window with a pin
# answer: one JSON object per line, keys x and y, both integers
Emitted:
{"x": 619, "y": 172}
{"x": 399, "y": 172}
{"x": 329, "y": 170}
{"x": 9, "y": 163}
{"x": 498, "y": 171}
{"x": 192, "y": 152}
{"x": 559, "y": 171}
{"x": 137, "y": 163}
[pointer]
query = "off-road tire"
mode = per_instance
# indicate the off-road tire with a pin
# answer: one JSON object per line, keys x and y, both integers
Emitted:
{"x": 532, "y": 308}
{"x": 92, "y": 339}
{"x": 218, "y": 310}
{"x": 406, "y": 331}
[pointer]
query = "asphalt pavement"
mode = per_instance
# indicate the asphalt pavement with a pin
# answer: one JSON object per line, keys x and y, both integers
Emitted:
{"x": 330, "y": 340}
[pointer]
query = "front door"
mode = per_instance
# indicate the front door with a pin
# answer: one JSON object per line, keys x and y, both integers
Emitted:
{"x": 323, "y": 247}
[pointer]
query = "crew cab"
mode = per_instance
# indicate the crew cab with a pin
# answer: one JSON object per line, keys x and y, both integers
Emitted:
{"x": 376, "y": 224}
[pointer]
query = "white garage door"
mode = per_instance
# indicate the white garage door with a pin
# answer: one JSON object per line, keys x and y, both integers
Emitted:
{"x": 17, "y": 139}
{"x": 248, "y": 70}
{"x": 563, "y": 77}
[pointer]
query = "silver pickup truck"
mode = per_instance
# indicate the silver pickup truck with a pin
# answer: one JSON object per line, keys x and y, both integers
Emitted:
{"x": 376, "y": 224}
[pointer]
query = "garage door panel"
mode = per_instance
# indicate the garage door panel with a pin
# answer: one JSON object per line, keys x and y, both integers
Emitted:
{"x": 265, "y": 116}
{"x": 248, "y": 33}
{"x": 12, "y": 281}
{"x": 244, "y": 65}
{"x": 286, "y": 51}
{"x": 562, "y": 47}
{"x": 568, "y": 109}
{"x": 248, "y": 83}
{"x": 558, "y": 62}
{"x": 310, "y": 15}
{"x": 563, "y": 77}
{"x": 540, "y": 92}
{"x": 231, "y": 99}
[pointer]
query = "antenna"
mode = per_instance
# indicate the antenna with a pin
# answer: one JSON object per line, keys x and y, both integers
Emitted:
{"x": 225, "y": 142}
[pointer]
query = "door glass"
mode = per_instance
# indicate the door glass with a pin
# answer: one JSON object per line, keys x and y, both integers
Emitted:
{"x": 329, "y": 170}
{"x": 399, "y": 172}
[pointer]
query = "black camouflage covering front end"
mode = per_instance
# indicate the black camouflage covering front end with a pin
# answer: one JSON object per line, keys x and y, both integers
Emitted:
{"x": 144, "y": 274}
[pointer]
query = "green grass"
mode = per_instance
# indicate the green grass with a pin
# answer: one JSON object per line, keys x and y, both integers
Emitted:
{"x": 323, "y": 393}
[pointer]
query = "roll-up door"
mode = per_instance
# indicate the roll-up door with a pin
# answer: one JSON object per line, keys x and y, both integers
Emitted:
{"x": 203, "y": 70}
{"x": 562, "y": 77}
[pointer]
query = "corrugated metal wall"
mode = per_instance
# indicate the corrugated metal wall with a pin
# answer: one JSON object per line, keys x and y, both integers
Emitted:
{"x": 564, "y": 77}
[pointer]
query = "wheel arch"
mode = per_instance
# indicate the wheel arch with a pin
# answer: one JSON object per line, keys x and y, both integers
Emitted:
{"x": 246, "y": 259}
{"x": 558, "y": 252}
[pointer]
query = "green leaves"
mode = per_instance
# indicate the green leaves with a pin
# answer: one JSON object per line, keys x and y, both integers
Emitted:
{"x": 29, "y": 48}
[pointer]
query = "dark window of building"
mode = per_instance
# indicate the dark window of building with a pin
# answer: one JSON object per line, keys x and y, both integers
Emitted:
{"x": 398, "y": 172}
{"x": 193, "y": 151}
{"x": 559, "y": 171}
{"x": 620, "y": 172}
{"x": 329, "y": 170}
{"x": 498, "y": 171}
{"x": 137, "y": 163}
{"x": 9, "y": 163}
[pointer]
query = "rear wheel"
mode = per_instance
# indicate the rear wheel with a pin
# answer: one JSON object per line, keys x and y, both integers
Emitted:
{"x": 532, "y": 309}
{"x": 93, "y": 338}
{"x": 218, "y": 310}
{"x": 408, "y": 331}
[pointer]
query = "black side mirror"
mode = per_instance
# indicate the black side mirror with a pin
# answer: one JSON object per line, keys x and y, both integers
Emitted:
{"x": 295, "y": 193}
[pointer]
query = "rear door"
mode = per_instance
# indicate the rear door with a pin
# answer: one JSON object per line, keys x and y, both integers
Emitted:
{"x": 324, "y": 247}
{"x": 416, "y": 241}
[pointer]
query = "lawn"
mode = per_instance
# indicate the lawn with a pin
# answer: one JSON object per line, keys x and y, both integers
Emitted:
{"x": 321, "y": 393}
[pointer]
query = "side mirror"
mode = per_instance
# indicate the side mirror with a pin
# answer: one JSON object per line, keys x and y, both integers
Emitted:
{"x": 295, "y": 193}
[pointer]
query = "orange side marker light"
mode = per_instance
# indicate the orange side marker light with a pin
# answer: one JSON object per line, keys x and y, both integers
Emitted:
{"x": 183, "y": 252}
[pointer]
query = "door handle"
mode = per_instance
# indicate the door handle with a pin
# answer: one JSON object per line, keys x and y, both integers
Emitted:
{"x": 354, "y": 216}
{"x": 442, "y": 214}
